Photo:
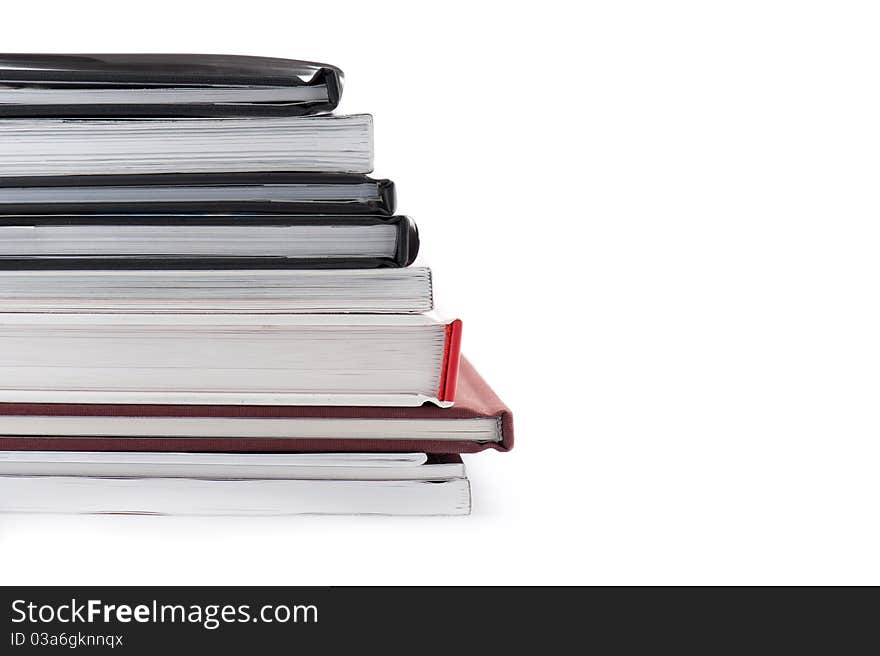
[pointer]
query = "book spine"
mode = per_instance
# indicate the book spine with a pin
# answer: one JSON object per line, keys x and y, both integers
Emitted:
{"x": 387, "y": 203}
{"x": 451, "y": 358}
{"x": 407, "y": 242}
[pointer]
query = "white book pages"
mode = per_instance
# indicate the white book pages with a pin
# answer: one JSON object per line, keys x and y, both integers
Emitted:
{"x": 272, "y": 291}
{"x": 47, "y": 147}
{"x": 160, "y": 95}
{"x": 181, "y": 496}
{"x": 301, "y": 466}
{"x": 62, "y": 426}
{"x": 244, "y": 240}
{"x": 221, "y": 359}
{"x": 156, "y": 193}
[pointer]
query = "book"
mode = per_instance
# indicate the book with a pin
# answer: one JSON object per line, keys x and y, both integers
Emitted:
{"x": 258, "y": 291}
{"x": 140, "y": 241}
{"x": 50, "y": 147}
{"x": 479, "y": 420}
{"x": 239, "y": 359}
{"x": 163, "y": 85}
{"x": 268, "y": 466}
{"x": 268, "y": 192}
{"x": 233, "y": 484}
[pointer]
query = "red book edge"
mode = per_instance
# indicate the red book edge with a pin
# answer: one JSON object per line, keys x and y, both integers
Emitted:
{"x": 451, "y": 359}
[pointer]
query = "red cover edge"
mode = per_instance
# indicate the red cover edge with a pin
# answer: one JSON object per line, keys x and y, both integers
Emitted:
{"x": 239, "y": 445}
{"x": 451, "y": 358}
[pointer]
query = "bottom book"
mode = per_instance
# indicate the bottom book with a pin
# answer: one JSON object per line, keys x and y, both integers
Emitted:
{"x": 233, "y": 483}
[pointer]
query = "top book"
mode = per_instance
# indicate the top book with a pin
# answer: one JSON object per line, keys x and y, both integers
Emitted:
{"x": 164, "y": 85}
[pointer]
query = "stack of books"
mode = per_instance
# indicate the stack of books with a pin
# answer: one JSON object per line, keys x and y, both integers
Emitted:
{"x": 207, "y": 306}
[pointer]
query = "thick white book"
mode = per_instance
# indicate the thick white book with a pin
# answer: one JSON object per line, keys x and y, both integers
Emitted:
{"x": 232, "y": 484}
{"x": 228, "y": 359}
{"x": 262, "y": 291}
{"x": 58, "y": 147}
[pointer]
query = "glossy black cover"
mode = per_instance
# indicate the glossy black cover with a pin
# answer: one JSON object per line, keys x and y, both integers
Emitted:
{"x": 406, "y": 251}
{"x": 383, "y": 205}
{"x": 184, "y": 70}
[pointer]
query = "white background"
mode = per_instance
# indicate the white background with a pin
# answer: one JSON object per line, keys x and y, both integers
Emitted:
{"x": 660, "y": 223}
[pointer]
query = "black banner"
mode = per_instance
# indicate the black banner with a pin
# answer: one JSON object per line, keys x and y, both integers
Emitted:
{"x": 151, "y": 620}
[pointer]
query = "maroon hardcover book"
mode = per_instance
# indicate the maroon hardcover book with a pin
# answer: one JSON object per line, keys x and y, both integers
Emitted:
{"x": 479, "y": 420}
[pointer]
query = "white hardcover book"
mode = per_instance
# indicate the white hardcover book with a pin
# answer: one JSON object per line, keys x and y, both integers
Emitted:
{"x": 301, "y": 466}
{"x": 261, "y": 291}
{"x": 183, "y": 496}
{"x": 228, "y": 359}
{"x": 59, "y": 147}
{"x": 232, "y": 483}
